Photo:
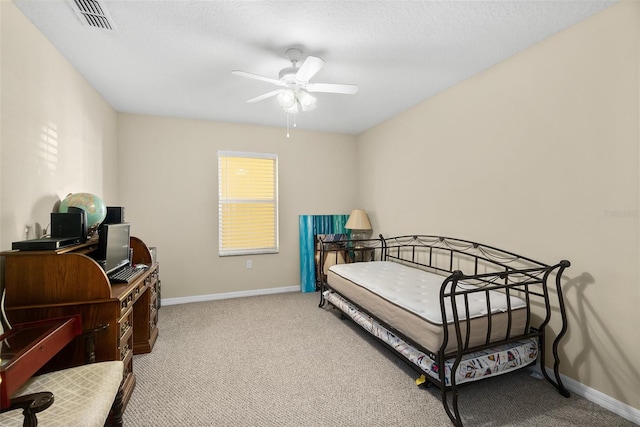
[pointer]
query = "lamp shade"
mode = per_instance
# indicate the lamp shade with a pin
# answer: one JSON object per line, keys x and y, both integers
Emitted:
{"x": 288, "y": 102}
{"x": 307, "y": 101}
{"x": 358, "y": 220}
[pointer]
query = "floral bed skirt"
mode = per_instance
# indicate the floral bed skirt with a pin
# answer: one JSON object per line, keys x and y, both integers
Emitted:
{"x": 474, "y": 366}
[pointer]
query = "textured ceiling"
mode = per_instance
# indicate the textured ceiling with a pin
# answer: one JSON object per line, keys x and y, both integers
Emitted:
{"x": 174, "y": 58}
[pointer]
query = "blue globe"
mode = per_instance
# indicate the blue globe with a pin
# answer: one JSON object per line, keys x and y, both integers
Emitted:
{"x": 93, "y": 205}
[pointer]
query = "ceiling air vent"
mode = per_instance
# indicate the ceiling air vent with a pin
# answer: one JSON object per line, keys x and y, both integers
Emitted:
{"x": 93, "y": 13}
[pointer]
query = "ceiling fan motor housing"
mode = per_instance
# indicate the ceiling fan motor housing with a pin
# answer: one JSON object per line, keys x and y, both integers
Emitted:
{"x": 288, "y": 75}
{"x": 294, "y": 54}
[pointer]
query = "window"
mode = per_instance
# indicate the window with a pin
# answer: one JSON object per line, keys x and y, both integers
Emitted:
{"x": 247, "y": 203}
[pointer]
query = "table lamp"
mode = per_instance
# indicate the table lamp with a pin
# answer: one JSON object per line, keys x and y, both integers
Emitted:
{"x": 359, "y": 224}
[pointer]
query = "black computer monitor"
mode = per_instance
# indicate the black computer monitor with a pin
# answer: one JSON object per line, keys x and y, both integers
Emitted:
{"x": 113, "y": 246}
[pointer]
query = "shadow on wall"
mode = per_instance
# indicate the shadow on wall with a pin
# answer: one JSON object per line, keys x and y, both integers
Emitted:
{"x": 584, "y": 315}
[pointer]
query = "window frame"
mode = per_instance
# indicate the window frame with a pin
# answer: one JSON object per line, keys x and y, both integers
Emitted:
{"x": 222, "y": 252}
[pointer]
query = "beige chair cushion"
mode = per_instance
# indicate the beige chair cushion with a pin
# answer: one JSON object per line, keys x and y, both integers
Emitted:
{"x": 82, "y": 396}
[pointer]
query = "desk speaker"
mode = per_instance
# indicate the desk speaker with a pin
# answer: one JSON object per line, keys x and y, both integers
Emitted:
{"x": 115, "y": 215}
{"x": 69, "y": 224}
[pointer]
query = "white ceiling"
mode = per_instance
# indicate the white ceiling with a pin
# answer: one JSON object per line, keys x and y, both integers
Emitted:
{"x": 174, "y": 58}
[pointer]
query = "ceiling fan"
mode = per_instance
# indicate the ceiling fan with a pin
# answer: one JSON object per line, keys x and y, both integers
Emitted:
{"x": 293, "y": 94}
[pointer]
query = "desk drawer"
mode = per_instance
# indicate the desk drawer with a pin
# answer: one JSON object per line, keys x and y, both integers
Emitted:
{"x": 125, "y": 325}
{"x": 153, "y": 300}
{"x": 154, "y": 275}
{"x": 126, "y": 346}
{"x": 126, "y": 303}
{"x": 138, "y": 290}
{"x": 125, "y": 340}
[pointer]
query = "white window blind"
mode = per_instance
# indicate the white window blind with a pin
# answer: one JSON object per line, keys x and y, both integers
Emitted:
{"x": 247, "y": 203}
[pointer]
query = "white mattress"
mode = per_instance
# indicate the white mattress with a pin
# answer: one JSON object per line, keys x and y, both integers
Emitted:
{"x": 418, "y": 291}
{"x": 407, "y": 299}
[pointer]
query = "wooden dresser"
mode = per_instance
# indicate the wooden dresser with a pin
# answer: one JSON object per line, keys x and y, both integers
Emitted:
{"x": 48, "y": 284}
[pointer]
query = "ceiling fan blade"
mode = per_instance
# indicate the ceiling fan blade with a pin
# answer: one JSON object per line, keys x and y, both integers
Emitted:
{"x": 309, "y": 68}
{"x": 264, "y": 96}
{"x": 332, "y": 88}
{"x": 257, "y": 77}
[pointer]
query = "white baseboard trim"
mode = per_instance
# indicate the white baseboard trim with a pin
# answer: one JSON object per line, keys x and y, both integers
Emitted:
{"x": 227, "y": 295}
{"x": 625, "y": 411}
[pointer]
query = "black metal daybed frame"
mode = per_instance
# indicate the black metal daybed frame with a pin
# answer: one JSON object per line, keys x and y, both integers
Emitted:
{"x": 491, "y": 269}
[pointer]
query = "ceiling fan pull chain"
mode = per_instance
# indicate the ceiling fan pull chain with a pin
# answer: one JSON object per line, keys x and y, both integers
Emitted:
{"x": 287, "y": 125}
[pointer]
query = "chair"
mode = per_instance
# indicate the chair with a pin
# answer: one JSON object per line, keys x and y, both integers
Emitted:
{"x": 82, "y": 396}
{"x": 89, "y": 395}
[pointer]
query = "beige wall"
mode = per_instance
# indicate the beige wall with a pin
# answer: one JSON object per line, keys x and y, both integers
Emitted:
{"x": 538, "y": 155}
{"x": 57, "y": 134}
{"x": 169, "y": 184}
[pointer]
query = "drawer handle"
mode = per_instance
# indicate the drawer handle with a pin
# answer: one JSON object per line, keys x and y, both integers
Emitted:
{"x": 126, "y": 302}
{"x": 124, "y": 328}
{"x": 123, "y": 351}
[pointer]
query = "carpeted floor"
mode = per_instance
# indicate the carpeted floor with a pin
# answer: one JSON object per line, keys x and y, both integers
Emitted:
{"x": 279, "y": 360}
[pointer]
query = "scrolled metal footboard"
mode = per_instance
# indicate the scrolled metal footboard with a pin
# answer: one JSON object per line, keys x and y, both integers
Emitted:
{"x": 530, "y": 284}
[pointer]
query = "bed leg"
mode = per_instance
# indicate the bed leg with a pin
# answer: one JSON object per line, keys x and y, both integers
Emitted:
{"x": 556, "y": 358}
{"x": 556, "y": 371}
{"x": 323, "y": 301}
{"x": 452, "y": 411}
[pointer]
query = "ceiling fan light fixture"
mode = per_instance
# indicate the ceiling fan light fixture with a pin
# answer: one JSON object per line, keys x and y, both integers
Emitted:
{"x": 292, "y": 101}
{"x": 307, "y": 101}
{"x": 293, "y": 109}
{"x": 287, "y": 99}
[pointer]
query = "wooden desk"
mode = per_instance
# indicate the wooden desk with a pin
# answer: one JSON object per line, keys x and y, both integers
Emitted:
{"x": 26, "y": 347}
{"x": 48, "y": 284}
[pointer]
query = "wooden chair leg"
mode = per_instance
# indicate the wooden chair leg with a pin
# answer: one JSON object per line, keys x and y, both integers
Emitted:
{"x": 115, "y": 415}
{"x": 31, "y": 404}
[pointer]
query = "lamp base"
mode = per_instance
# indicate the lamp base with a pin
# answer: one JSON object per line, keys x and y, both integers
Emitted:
{"x": 360, "y": 234}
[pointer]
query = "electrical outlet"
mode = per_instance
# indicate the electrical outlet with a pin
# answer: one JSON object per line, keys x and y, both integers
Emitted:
{"x": 249, "y": 263}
